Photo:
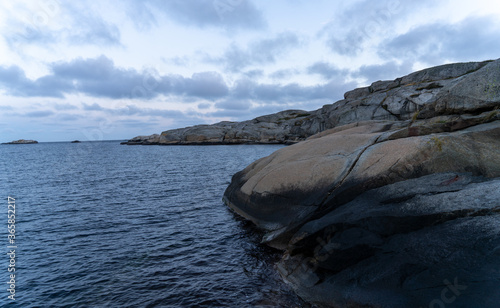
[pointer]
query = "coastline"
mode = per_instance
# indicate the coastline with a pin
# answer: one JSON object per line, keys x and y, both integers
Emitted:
{"x": 400, "y": 161}
{"x": 366, "y": 212}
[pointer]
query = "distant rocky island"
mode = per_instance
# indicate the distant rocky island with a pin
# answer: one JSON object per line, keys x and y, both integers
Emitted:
{"x": 21, "y": 141}
{"x": 389, "y": 198}
{"x": 76, "y": 141}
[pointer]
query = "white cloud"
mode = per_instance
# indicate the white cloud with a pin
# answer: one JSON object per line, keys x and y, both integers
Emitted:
{"x": 162, "y": 64}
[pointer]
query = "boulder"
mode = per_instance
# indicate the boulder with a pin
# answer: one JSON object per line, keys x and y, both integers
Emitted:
{"x": 367, "y": 214}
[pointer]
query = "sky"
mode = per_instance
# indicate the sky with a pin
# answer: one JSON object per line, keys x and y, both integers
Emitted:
{"x": 109, "y": 69}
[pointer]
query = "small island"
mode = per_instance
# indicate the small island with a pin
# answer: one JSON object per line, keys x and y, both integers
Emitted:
{"x": 21, "y": 141}
{"x": 76, "y": 141}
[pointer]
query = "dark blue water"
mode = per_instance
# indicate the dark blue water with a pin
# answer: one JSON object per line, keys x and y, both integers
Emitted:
{"x": 100, "y": 224}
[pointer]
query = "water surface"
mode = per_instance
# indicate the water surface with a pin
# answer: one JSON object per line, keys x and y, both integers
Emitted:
{"x": 100, "y": 224}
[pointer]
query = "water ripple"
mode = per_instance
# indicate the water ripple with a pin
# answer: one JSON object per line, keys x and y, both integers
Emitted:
{"x": 104, "y": 225}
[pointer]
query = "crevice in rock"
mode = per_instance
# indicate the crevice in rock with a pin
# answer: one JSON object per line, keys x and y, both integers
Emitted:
{"x": 475, "y": 112}
{"x": 411, "y": 196}
{"x": 322, "y": 203}
{"x": 384, "y": 227}
{"x": 432, "y": 85}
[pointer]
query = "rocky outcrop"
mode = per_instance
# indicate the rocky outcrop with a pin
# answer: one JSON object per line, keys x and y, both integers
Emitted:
{"x": 427, "y": 242}
{"x": 285, "y": 127}
{"x": 394, "y": 203}
{"x": 437, "y": 91}
{"x": 143, "y": 140}
{"x": 21, "y": 141}
{"x": 282, "y": 191}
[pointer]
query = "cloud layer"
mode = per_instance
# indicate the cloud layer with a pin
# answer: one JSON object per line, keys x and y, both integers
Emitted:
{"x": 184, "y": 62}
{"x": 99, "y": 77}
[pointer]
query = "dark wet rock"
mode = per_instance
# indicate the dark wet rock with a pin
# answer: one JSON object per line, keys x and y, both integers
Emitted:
{"x": 416, "y": 243}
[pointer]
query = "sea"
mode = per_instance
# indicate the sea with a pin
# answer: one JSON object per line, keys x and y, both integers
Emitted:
{"x": 99, "y": 224}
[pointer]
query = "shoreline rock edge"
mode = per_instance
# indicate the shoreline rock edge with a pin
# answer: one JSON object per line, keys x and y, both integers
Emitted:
{"x": 395, "y": 202}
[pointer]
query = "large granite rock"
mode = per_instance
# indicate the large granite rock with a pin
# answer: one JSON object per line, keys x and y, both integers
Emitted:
{"x": 397, "y": 204}
{"x": 427, "y": 242}
{"x": 294, "y": 184}
{"x": 367, "y": 215}
{"x": 458, "y": 88}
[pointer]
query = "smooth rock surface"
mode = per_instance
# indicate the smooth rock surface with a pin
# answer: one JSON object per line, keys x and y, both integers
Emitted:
{"x": 287, "y": 188}
{"x": 404, "y": 245}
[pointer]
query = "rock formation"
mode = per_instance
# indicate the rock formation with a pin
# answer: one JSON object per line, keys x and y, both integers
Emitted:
{"x": 394, "y": 202}
{"x": 425, "y": 94}
{"x": 21, "y": 141}
{"x": 284, "y": 127}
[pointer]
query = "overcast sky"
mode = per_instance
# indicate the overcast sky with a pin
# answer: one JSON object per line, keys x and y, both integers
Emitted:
{"x": 109, "y": 69}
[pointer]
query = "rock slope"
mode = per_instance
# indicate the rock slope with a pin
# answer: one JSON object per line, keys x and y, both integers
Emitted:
{"x": 284, "y": 127}
{"x": 395, "y": 201}
{"x": 424, "y": 94}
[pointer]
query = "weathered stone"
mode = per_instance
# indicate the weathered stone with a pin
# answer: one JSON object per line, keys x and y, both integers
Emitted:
{"x": 144, "y": 140}
{"x": 282, "y": 127}
{"x": 295, "y": 183}
{"x": 383, "y": 85}
{"x": 448, "y": 89}
{"x": 477, "y": 91}
{"x": 282, "y": 184}
{"x": 442, "y": 72}
{"x": 399, "y": 213}
{"x": 357, "y": 93}
{"x": 403, "y": 245}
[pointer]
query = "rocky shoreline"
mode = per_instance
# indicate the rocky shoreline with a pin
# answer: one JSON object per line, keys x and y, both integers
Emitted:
{"x": 396, "y": 202}
{"x": 405, "y": 98}
{"x": 285, "y": 127}
{"x": 387, "y": 198}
